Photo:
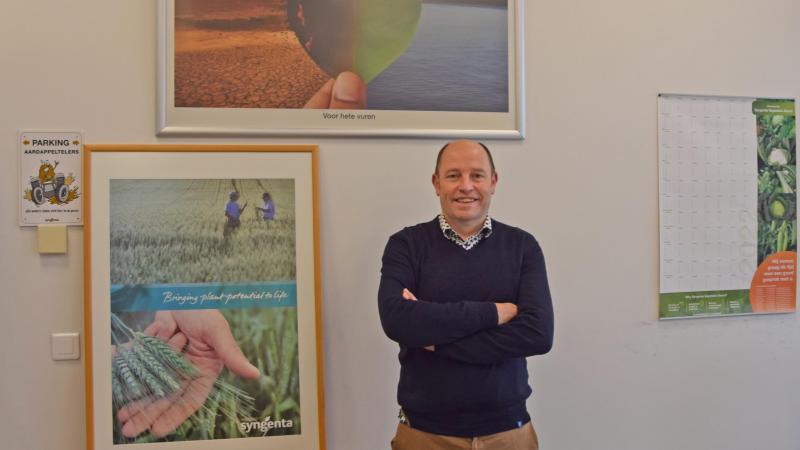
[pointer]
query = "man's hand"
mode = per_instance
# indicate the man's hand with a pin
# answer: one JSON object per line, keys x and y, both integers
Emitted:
{"x": 209, "y": 345}
{"x": 408, "y": 295}
{"x": 505, "y": 312}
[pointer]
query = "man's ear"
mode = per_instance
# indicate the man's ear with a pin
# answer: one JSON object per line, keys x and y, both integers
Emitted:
{"x": 435, "y": 183}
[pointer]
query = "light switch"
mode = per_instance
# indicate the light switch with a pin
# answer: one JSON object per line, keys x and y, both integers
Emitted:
{"x": 65, "y": 346}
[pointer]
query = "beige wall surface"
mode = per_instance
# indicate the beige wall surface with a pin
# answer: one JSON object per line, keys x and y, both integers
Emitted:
{"x": 584, "y": 182}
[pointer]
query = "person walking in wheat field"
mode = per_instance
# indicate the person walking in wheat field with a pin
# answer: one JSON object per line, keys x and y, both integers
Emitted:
{"x": 268, "y": 211}
{"x": 233, "y": 213}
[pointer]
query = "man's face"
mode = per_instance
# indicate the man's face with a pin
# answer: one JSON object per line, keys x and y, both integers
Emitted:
{"x": 465, "y": 184}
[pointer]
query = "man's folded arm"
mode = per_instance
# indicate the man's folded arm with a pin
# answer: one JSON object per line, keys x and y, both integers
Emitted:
{"x": 529, "y": 333}
{"x": 423, "y": 323}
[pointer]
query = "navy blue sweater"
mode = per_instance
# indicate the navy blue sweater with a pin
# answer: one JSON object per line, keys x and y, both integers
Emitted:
{"x": 476, "y": 381}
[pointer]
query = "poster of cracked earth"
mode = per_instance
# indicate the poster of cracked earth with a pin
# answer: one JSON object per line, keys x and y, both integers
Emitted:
{"x": 436, "y": 68}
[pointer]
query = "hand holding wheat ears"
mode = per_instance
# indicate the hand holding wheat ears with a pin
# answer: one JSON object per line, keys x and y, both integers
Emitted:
{"x": 206, "y": 340}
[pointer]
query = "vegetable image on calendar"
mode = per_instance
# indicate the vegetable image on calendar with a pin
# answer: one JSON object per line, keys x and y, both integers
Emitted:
{"x": 727, "y": 206}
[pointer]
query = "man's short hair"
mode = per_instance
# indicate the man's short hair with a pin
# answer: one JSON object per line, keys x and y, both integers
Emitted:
{"x": 441, "y": 150}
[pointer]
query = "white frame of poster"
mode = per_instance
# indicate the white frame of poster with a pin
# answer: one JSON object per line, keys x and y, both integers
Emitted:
{"x": 185, "y": 121}
{"x": 101, "y": 164}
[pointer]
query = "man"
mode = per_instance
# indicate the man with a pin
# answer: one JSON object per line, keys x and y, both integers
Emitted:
{"x": 232, "y": 213}
{"x": 467, "y": 299}
{"x": 268, "y": 211}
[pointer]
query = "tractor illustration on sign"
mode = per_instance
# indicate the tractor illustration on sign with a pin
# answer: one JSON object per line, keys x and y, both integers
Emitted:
{"x": 49, "y": 184}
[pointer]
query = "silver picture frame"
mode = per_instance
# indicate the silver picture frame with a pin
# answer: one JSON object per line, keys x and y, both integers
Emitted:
{"x": 443, "y": 120}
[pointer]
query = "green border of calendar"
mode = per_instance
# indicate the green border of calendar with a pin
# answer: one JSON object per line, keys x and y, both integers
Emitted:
{"x": 676, "y": 305}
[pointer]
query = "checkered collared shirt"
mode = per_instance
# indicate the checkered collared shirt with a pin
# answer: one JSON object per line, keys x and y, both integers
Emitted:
{"x": 470, "y": 241}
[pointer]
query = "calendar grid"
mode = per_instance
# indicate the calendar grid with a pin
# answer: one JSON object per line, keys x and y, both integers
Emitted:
{"x": 707, "y": 193}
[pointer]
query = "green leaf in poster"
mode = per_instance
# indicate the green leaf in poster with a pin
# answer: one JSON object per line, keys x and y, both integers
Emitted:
{"x": 361, "y": 36}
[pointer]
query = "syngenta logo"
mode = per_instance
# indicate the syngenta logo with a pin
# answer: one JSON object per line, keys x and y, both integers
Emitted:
{"x": 265, "y": 425}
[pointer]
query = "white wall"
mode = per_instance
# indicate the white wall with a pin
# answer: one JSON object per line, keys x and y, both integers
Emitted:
{"x": 584, "y": 182}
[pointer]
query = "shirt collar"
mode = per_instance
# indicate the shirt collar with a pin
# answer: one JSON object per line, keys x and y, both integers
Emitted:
{"x": 470, "y": 241}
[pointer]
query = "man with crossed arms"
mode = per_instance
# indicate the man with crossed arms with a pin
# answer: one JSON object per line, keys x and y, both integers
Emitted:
{"x": 467, "y": 299}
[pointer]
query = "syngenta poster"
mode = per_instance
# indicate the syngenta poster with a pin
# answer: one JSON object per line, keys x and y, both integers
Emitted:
{"x": 728, "y": 205}
{"x": 203, "y": 309}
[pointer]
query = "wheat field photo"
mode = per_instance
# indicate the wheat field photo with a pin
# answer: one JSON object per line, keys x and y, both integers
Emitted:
{"x": 173, "y": 378}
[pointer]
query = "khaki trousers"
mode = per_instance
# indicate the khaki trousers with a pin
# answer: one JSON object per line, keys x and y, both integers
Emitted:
{"x": 523, "y": 438}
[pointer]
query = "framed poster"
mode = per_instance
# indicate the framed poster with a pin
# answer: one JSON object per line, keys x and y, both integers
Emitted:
{"x": 202, "y": 303}
{"x": 728, "y": 206}
{"x": 402, "y": 68}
